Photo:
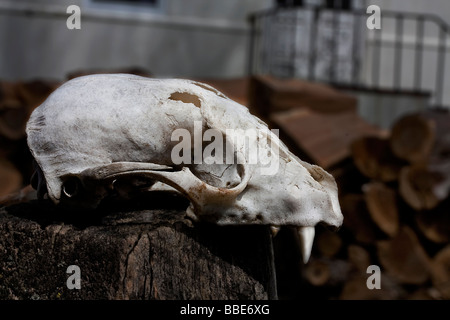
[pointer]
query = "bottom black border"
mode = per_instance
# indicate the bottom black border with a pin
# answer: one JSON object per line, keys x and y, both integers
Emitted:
{"x": 236, "y": 309}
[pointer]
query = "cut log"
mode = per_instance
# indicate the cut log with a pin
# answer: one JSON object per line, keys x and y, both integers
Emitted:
{"x": 412, "y": 138}
{"x": 435, "y": 224}
{"x": 137, "y": 254}
{"x": 356, "y": 289}
{"x": 325, "y": 138}
{"x": 404, "y": 258}
{"x": 269, "y": 94}
{"x": 357, "y": 219}
{"x": 418, "y": 187}
{"x": 382, "y": 204}
{"x": 327, "y": 272}
{"x": 358, "y": 257}
{"x": 440, "y": 272}
{"x": 328, "y": 243}
{"x": 419, "y": 136}
{"x": 374, "y": 159}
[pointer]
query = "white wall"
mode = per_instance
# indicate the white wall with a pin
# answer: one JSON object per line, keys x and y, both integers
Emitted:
{"x": 195, "y": 38}
{"x": 440, "y": 8}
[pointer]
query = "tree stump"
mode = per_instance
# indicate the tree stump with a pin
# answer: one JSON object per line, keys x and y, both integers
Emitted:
{"x": 136, "y": 253}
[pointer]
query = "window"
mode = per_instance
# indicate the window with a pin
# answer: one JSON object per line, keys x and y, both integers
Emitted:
{"x": 155, "y": 6}
{"x": 338, "y": 4}
{"x": 290, "y": 3}
{"x": 329, "y": 4}
{"x": 140, "y": 2}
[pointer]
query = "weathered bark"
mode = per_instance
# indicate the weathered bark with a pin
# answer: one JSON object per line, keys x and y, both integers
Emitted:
{"x": 139, "y": 254}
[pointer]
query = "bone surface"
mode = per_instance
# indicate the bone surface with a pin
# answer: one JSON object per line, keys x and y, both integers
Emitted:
{"x": 97, "y": 132}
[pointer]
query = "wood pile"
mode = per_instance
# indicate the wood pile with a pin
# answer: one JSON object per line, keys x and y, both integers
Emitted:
{"x": 394, "y": 190}
{"x": 396, "y": 207}
{"x": 17, "y": 101}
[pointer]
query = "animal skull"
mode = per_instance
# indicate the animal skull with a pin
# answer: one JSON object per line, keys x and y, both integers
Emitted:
{"x": 96, "y": 130}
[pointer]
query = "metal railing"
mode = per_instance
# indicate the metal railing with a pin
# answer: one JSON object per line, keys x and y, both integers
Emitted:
{"x": 374, "y": 59}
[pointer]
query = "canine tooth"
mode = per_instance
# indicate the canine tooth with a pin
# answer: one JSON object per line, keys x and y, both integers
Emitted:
{"x": 306, "y": 241}
{"x": 274, "y": 230}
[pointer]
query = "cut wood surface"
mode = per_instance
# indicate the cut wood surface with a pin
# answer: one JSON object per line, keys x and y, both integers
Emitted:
{"x": 358, "y": 257}
{"x": 373, "y": 157}
{"x": 440, "y": 272}
{"x": 382, "y": 205}
{"x": 321, "y": 272}
{"x": 404, "y": 258}
{"x": 269, "y": 94}
{"x": 328, "y": 243}
{"x": 435, "y": 224}
{"x": 419, "y": 136}
{"x": 417, "y": 187}
{"x": 325, "y": 138}
{"x": 357, "y": 218}
{"x": 413, "y": 138}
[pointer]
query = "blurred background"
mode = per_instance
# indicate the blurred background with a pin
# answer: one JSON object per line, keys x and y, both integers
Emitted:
{"x": 371, "y": 106}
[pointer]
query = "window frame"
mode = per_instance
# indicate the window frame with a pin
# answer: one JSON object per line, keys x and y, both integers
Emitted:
{"x": 159, "y": 7}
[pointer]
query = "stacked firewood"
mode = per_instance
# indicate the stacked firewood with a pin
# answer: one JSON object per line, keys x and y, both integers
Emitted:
{"x": 395, "y": 198}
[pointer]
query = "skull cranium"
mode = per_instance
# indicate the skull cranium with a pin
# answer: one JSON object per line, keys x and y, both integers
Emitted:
{"x": 96, "y": 129}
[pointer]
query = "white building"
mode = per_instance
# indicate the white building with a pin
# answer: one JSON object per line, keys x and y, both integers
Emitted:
{"x": 195, "y": 38}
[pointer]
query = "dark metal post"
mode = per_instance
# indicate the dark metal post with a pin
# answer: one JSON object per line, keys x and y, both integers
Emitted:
{"x": 376, "y": 58}
{"x": 419, "y": 54}
{"x": 355, "y": 50}
{"x": 398, "y": 52}
{"x": 251, "y": 54}
{"x": 441, "y": 65}
{"x": 312, "y": 44}
{"x": 334, "y": 58}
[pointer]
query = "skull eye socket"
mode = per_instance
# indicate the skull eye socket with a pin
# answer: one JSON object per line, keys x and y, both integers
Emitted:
{"x": 70, "y": 187}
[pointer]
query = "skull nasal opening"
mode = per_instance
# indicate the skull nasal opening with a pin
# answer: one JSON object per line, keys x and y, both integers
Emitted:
{"x": 186, "y": 98}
